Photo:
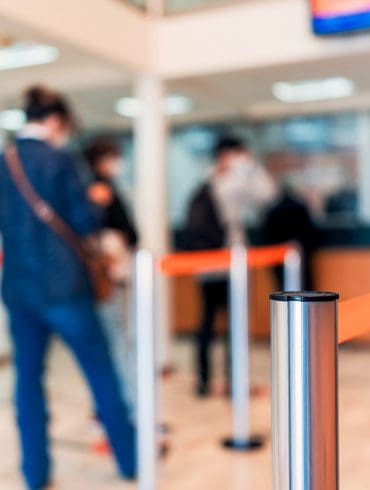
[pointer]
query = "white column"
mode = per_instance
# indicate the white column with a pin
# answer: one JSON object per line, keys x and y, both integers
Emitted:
{"x": 144, "y": 300}
{"x": 364, "y": 166}
{"x": 151, "y": 189}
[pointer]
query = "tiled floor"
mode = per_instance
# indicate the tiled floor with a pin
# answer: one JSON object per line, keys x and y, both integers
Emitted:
{"x": 196, "y": 460}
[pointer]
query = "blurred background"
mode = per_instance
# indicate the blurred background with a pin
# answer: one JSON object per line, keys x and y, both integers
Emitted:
{"x": 254, "y": 69}
{"x": 165, "y": 79}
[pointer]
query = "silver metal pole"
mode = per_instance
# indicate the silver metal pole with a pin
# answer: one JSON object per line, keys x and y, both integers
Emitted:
{"x": 240, "y": 352}
{"x": 144, "y": 285}
{"x": 293, "y": 269}
{"x": 304, "y": 391}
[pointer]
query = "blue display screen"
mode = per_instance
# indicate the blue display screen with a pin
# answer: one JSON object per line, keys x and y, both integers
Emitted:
{"x": 339, "y": 16}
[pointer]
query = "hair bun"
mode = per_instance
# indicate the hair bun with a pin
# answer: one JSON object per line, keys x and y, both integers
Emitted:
{"x": 35, "y": 95}
{"x": 40, "y": 102}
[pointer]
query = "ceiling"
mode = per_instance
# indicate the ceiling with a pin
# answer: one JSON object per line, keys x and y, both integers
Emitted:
{"x": 94, "y": 85}
{"x": 87, "y": 80}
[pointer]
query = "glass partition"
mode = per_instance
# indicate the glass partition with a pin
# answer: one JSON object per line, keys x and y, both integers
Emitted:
{"x": 318, "y": 157}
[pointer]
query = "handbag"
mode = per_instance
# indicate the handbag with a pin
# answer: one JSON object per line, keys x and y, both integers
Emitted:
{"x": 96, "y": 261}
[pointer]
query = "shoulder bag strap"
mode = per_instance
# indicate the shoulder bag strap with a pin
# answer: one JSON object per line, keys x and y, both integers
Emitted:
{"x": 41, "y": 209}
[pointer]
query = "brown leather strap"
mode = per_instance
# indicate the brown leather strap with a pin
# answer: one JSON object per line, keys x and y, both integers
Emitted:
{"x": 44, "y": 212}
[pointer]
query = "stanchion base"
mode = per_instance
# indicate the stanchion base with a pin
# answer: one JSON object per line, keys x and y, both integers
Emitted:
{"x": 251, "y": 444}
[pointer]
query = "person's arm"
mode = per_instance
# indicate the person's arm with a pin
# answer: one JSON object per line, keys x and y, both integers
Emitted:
{"x": 82, "y": 215}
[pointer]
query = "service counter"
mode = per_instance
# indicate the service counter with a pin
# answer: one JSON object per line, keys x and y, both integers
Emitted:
{"x": 345, "y": 270}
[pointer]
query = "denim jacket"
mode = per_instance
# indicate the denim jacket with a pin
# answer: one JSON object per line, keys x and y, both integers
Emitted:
{"x": 39, "y": 268}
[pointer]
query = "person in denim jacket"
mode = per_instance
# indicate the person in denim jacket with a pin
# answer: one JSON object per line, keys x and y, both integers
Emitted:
{"x": 47, "y": 291}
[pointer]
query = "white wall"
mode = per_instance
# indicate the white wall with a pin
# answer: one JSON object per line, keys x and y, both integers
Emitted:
{"x": 246, "y": 35}
{"x": 227, "y": 38}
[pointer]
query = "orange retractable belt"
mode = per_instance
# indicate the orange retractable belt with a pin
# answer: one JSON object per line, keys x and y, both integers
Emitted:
{"x": 353, "y": 318}
{"x": 188, "y": 263}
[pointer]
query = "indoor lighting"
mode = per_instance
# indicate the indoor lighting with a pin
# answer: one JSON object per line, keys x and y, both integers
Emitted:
{"x": 128, "y": 107}
{"x": 177, "y": 104}
{"x": 172, "y": 105}
{"x": 313, "y": 90}
{"x": 19, "y": 55}
{"x": 12, "y": 119}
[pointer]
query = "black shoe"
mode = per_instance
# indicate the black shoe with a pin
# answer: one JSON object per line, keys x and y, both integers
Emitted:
{"x": 202, "y": 389}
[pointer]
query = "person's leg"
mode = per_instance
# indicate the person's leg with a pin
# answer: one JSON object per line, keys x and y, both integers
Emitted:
{"x": 129, "y": 336}
{"x": 204, "y": 337}
{"x": 279, "y": 275}
{"x": 111, "y": 315}
{"x": 30, "y": 342}
{"x": 78, "y": 326}
{"x": 221, "y": 300}
{"x": 308, "y": 279}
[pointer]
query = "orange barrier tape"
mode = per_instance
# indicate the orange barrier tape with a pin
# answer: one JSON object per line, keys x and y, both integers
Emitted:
{"x": 353, "y": 318}
{"x": 188, "y": 263}
{"x": 268, "y": 256}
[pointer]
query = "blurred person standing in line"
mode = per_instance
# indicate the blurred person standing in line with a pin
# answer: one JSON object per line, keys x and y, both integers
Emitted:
{"x": 46, "y": 285}
{"x": 289, "y": 220}
{"x": 217, "y": 218}
{"x": 119, "y": 238}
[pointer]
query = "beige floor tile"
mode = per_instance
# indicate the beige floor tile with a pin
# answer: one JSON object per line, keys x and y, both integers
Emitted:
{"x": 196, "y": 460}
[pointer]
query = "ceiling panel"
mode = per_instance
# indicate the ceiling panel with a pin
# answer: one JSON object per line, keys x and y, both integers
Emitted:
{"x": 95, "y": 85}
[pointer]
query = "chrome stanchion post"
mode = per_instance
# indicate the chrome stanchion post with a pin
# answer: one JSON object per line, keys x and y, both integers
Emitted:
{"x": 144, "y": 311}
{"x": 293, "y": 274}
{"x": 241, "y": 439}
{"x": 304, "y": 391}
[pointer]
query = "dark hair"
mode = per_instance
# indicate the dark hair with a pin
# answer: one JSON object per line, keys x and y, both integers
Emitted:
{"x": 40, "y": 102}
{"x": 99, "y": 148}
{"x": 228, "y": 143}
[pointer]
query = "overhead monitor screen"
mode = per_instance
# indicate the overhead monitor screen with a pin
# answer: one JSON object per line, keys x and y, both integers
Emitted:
{"x": 337, "y": 16}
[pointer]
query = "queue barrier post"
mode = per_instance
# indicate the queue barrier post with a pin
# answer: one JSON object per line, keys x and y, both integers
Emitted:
{"x": 293, "y": 273}
{"x": 241, "y": 438}
{"x": 304, "y": 391}
{"x": 144, "y": 317}
{"x": 237, "y": 261}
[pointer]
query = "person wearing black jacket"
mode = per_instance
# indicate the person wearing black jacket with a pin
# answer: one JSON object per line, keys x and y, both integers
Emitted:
{"x": 217, "y": 218}
{"x": 206, "y": 231}
{"x": 118, "y": 238}
{"x": 289, "y": 220}
{"x": 103, "y": 157}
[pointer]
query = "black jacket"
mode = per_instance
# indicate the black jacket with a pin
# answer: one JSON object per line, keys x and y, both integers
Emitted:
{"x": 116, "y": 216}
{"x": 289, "y": 220}
{"x": 203, "y": 229}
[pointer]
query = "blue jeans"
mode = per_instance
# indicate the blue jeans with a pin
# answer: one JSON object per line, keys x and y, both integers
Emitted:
{"x": 76, "y": 323}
